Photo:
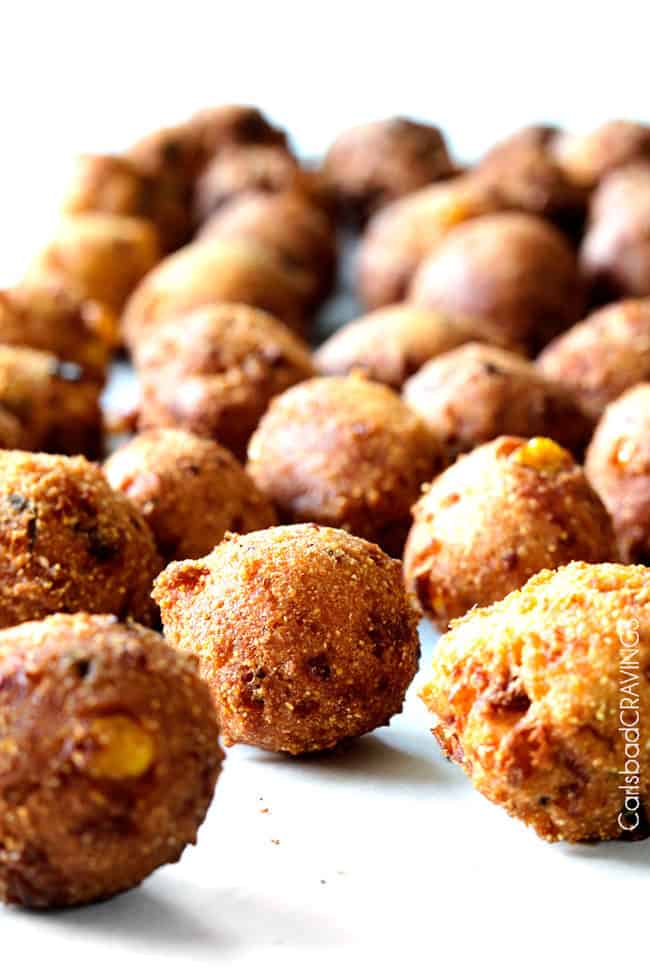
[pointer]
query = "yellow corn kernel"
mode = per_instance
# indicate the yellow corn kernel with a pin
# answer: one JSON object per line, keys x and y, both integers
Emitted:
{"x": 543, "y": 455}
{"x": 122, "y": 749}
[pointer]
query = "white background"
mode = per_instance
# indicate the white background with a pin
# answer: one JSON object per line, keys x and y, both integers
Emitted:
{"x": 418, "y": 870}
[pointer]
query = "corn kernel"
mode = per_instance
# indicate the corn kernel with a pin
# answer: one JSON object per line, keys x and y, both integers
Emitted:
{"x": 123, "y": 749}
{"x": 543, "y": 454}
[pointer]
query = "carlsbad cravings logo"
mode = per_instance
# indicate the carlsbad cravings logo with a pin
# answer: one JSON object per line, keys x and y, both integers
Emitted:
{"x": 629, "y": 724}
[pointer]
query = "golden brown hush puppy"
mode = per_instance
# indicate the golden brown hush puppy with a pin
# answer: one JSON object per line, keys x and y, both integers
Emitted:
{"x": 190, "y": 491}
{"x": 375, "y": 163}
{"x": 588, "y": 158}
{"x": 477, "y": 392}
{"x": 68, "y": 542}
{"x": 215, "y": 370}
{"x": 602, "y": 356}
{"x": 346, "y": 452}
{"x": 109, "y": 758}
{"x": 514, "y": 269}
{"x": 543, "y": 699}
{"x": 304, "y": 634}
{"x": 497, "y": 516}
{"x": 618, "y": 466}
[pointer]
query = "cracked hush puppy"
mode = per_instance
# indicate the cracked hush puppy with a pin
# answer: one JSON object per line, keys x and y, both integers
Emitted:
{"x": 618, "y": 467}
{"x": 214, "y": 372}
{"x": 602, "y": 356}
{"x": 108, "y": 762}
{"x": 513, "y": 269}
{"x": 476, "y": 392}
{"x": 345, "y": 452}
{"x": 304, "y": 635}
{"x": 544, "y": 700}
{"x": 68, "y": 542}
{"x": 190, "y": 491}
{"x": 494, "y": 519}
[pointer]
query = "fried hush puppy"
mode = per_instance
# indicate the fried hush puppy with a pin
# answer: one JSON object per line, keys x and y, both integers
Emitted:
{"x": 495, "y": 518}
{"x": 402, "y": 234}
{"x": 68, "y": 542}
{"x": 618, "y": 466}
{"x": 56, "y": 406}
{"x": 103, "y": 254}
{"x": 513, "y": 269}
{"x": 375, "y": 163}
{"x": 238, "y": 170}
{"x": 214, "y": 270}
{"x": 190, "y": 491}
{"x": 391, "y": 343}
{"x": 56, "y": 318}
{"x": 588, "y": 158}
{"x": 476, "y": 392}
{"x": 304, "y": 635}
{"x": 526, "y": 697}
{"x": 109, "y": 758}
{"x": 214, "y": 372}
{"x": 345, "y": 452}
{"x": 602, "y": 356}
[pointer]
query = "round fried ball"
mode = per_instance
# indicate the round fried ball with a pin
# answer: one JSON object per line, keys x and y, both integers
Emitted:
{"x": 68, "y": 542}
{"x": 477, "y": 392}
{"x": 602, "y": 356}
{"x": 105, "y": 255}
{"x": 526, "y": 697}
{"x": 54, "y": 317}
{"x": 615, "y": 252}
{"x": 238, "y": 170}
{"x": 375, "y": 163}
{"x": 511, "y": 268}
{"x": 304, "y": 635}
{"x": 401, "y": 235}
{"x": 56, "y": 405}
{"x": 190, "y": 491}
{"x": 590, "y": 157}
{"x": 291, "y": 227}
{"x": 345, "y": 452}
{"x": 497, "y": 516}
{"x": 209, "y": 271}
{"x": 109, "y": 758}
{"x": 215, "y": 370}
{"x": 618, "y": 466}
{"x": 391, "y": 343}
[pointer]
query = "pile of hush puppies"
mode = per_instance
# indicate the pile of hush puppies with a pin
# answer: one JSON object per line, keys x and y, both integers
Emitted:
{"x": 262, "y": 505}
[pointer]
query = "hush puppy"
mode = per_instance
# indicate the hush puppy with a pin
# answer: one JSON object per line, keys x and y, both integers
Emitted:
{"x": 304, "y": 635}
{"x": 215, "y": 370}
{"x": 476, "y": 392}
{"x": 345, "y": 452}
{"x": 190, "y": 491}
{"x": 543, "y": 699}
{"x": 239, "y": 170}
{"x": 109, "y": 758}
{"x": 497, "y": 516}
{"x": 588, "y": 158}
{"x": 514, "y": 269}
{"x": 68, "y": 542}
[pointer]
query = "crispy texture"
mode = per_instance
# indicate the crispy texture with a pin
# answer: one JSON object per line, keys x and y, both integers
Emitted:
{"x": 602, "y": 356}
{"x": 68, "y": 542}
{"x": 618, "y": 466}
{"x": 190, "y": 491}
{"x": 346, "y": 452}
{"x": 103, "y": 255}
{"x": 109, "y": 758}
{"x": 497, "y": 516}
{"x": 391, "y": 343}
{"x": 588, "y": 158}
{"x": 289, "y": 225}
{"x": 215, "y": 371}
{"x": 475, "y": 393}
{"x": 373, "y": 164}
{"x": 314, "y": 640}
{"x": 211, "y": 271}
{"x": 54, "y": 317}
{"x": 526, "y": 697}
{"x": 401, "y": 235}
{"x": 511, "y": 268}
{"x": 56, "y": 405}
{"x": 615, "y": 252}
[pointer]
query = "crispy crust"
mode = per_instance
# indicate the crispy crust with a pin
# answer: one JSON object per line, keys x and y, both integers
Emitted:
{"x": 314, "y": 640}
{"x": 67, "y": 835}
